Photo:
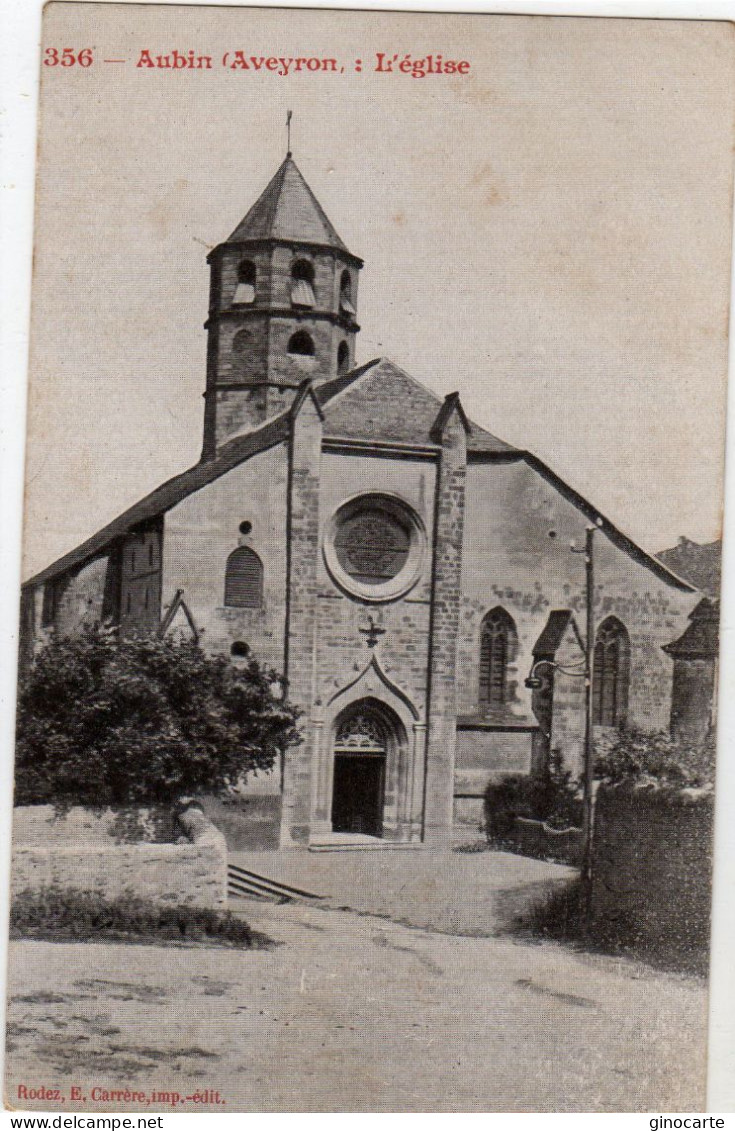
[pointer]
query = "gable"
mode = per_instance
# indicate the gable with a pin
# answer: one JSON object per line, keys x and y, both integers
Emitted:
{"x": 386, "y": 404}
{"x": 517, "y": 508}
{"x": 376, "y": 402}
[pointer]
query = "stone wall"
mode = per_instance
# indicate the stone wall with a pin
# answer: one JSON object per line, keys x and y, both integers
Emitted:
{"x": 80, "y": 596}
{"x": 249, "y": 343}
{"x": 303, "y": 554}
{"x": 441, "y": 736}
{"x": 202, "y": 531}
{"x": 653, "y": 867}
{"x": 543, "y": 841}
{"x": 403, "y": 647}
{"x": 194, "y": 873}
{"x": 510, "y": 561}
{"x": 38, "y": 825}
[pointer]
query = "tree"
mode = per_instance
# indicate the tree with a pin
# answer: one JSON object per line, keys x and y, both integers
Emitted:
{"x": 630, "y": 754}
{"x": 117, "y": 721}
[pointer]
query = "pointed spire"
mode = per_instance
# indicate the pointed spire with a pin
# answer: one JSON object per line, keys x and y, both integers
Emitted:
{"x": 288, "y": 210}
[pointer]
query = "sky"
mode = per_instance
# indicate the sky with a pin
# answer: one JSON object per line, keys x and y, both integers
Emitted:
{"x": 549, "y": 234}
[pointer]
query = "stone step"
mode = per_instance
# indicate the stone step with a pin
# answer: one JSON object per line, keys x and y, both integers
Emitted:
{"x": 241, "y": 881}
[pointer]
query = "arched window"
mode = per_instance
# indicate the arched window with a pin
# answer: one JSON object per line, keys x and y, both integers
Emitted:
{"x": 301, "y": 344}
{"x": 343, "y": 357}
{"x": 244, "y": 579}
{"x": 246, "y": 277}
{"x": 241, "y": 342}
{"x": 498, "y": 646}
{"x": 302, "y": 283}
{"x": 345, "y": 293}
{"x": 240, "y": 650}
{"x": 610, "y": 674}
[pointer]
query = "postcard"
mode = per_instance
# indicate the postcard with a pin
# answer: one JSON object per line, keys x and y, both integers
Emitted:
{"x": 369, "y": 646}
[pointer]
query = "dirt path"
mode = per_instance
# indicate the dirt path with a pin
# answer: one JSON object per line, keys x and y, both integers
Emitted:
{"x": 353, "y": 1013}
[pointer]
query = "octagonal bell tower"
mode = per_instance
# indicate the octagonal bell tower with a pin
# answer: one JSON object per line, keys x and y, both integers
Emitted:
{"x": 282, "y": 307}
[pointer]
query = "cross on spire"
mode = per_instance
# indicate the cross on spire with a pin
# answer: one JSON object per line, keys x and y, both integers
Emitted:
{"x": 289, "y": 115}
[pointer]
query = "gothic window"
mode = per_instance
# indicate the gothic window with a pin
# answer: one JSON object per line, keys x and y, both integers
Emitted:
{"x": 372, "y": 545}
{"x": 246, "y": 277}
{"x": 361, "y": 732}
{"x": 345, "y": 293}
{"x": 343, "y": 357}
{"x": 610, "y": 673}
{"x": 498, "y": 645}
{"x": 301, "y": 344}
{"x": 302, "y": 283}
{"x": 244, "y": 579}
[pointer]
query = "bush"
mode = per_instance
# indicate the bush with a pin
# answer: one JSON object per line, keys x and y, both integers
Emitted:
{"x": 563, "y": 918}
{"x": 553, "y": 797}
{"x": 65, "y": 914}
{"x": 637, "y": 755}
{"x": 143, "y": 721}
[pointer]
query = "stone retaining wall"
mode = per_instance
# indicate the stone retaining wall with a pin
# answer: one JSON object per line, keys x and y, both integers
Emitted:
{"x": 39, "y": 825}
{"x": 536, "y": 838}
{"x": 192, "y": 873}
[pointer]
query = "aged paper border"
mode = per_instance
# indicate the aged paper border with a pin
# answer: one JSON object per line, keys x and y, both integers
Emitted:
{"x": 19, "y": 55}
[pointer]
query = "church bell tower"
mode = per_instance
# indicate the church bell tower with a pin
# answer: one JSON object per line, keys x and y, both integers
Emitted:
{"x": 282, "y": 307}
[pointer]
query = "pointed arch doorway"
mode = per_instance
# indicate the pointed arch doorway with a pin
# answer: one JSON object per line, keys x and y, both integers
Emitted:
{"x": 366, "y": 738}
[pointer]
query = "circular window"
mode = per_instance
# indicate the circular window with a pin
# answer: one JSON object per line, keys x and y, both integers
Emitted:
{"x": 375, "y": 547}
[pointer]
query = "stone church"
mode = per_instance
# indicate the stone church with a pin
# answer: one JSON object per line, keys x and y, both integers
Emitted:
{"x": 404, "y": 568}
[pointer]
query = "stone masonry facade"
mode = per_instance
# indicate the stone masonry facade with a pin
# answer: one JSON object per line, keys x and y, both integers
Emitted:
{"x": 408, "y": 569}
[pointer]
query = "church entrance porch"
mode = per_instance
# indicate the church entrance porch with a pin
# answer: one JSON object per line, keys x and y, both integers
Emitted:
{"x": 365, "y": 786}
{"x": 357, "y": 801}
{"x": 363, "y": 737}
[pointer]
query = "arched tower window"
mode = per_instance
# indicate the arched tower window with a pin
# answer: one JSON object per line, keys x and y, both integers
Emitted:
{"x": 498, "y": 646}
{"x": 345, "y": 293}
{"x": 244, "y": 579}
{"x": 343, "y": 357}
{"x": 301, "y": 344}
{"x": 610, "y": 674}
{"x": 246, "y": 277}
{"x": 302, "y": 283}
{"x": 241, "y": 342}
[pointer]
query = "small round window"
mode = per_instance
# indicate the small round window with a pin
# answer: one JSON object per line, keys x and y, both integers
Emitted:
{"x": 375, "y": 547}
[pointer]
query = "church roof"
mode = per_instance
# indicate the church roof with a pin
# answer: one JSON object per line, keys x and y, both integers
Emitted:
{"x": 700, "y": 564}
{"x": 387, "y": 404}
{"x": 553, "y": 632}
{"x": 377, "y": 402}
{"x": 288, "y": 210}
{"x": 701, "y": 638}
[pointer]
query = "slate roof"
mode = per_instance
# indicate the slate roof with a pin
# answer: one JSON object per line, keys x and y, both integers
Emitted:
{"x": 391, "y": 405}
{"x": 288, "y": 210}
{"x": 553, "y": 631}
{"x": 384, "y": 404}
{"x": 699, "y": 563}
{"x": 170, "y": 493}
{"x": 701, "y": 638}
